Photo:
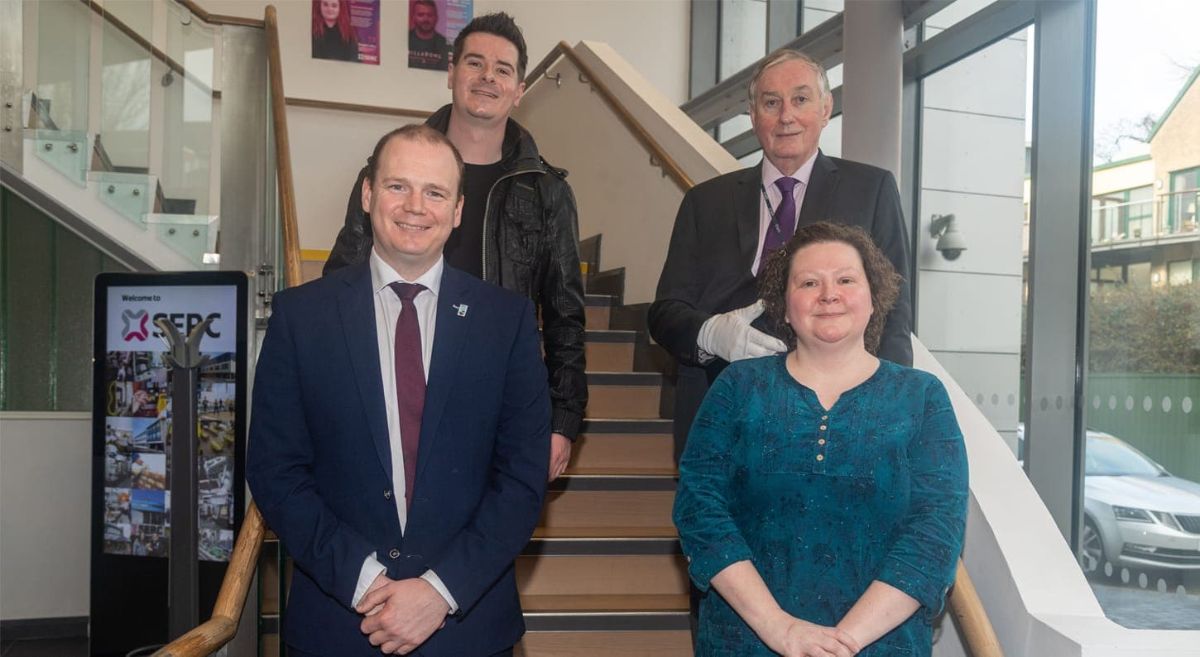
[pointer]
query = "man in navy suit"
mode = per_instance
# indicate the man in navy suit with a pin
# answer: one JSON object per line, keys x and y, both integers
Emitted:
{"x": 705, "y": 306}
{"x": 401, "y": 431}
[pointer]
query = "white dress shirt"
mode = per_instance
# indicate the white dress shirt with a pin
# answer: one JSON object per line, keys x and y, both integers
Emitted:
{"x": 769, "y": 175}
{"x": 387, "y": 312}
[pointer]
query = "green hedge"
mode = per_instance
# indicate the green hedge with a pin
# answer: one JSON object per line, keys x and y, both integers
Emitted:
{"x": 1145, "y": 331}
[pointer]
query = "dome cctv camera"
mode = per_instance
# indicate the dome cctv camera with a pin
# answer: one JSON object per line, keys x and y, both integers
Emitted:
{"x": 950, "y": 242}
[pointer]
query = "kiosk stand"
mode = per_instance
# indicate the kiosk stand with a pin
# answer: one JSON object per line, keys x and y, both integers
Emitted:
{"x": 183, "y": 573}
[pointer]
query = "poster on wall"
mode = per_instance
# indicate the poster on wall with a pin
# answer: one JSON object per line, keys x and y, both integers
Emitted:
{"x": 432, "y": 26}
{"x": 346, "y": 30}
{"x": 132, "y": 433}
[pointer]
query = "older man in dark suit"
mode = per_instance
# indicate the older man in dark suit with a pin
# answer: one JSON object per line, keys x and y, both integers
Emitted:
{"x": 705, "y": 305}
{"x": 401, "y": 431}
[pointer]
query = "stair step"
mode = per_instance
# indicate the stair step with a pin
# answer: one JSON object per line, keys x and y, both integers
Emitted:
{"x": 605, "y": 612}
{"x": 604, "y": 603}
{"x": 607, "y": 508}
{"x": 632, "y": 574}
{"x": 600, "y": 299}
{"x": 621, "y": 470}
{"x": 610, "y": 351}
{"x": 598, "y": 310}
{"x": 614, "y": 482}
{"x": 626, "y": 426}
{"x": 624, "y": 394}
{"x": 644, "y": 643}
{"x": 602, "y": 540}
{"x": 597, "y": 317}
{"x": 622, "y": 446}
{"x": 605, "y": 533}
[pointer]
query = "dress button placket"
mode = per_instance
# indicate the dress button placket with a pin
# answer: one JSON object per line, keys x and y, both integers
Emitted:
{"x": 822, "y": 430}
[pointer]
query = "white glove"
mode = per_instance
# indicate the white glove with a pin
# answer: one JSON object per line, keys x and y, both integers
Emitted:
{"x": 729, "y": 335}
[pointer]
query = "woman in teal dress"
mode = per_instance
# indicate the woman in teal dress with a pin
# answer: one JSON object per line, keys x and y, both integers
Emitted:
{"x": 823, "y": 492}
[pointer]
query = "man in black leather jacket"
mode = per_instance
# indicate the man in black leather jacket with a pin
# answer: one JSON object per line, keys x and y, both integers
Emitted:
{"x": 519, "y": 227}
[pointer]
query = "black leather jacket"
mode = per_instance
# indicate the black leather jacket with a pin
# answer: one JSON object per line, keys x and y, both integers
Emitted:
{"x": 531, "y": 246}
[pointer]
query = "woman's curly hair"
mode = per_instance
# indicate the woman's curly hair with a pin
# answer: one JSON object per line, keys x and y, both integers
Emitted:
{"x": 881, "y": 277}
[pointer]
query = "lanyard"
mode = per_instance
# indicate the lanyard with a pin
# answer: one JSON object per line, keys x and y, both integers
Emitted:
{"x": 774, "y": 223}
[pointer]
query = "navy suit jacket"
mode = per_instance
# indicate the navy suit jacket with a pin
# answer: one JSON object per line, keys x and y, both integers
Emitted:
{"x": 319, "y": 458}
{"x": 714, "y": 243}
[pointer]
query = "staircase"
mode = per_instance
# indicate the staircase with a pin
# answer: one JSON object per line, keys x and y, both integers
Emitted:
{"x": 139, "y": 163}
{"x": 604, "y": 575}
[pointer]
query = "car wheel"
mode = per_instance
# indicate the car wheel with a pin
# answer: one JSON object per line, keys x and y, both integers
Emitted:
{"x": 1091, "y": 550}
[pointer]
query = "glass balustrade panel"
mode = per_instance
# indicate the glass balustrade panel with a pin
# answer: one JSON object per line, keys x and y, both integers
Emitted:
{"x": 190, "y": 103}
{"x": 59, "y": 107}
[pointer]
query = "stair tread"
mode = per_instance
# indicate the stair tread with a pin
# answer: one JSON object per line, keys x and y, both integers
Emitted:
{"x": 623, "y": 472}
{"x": 605, "y": 603}
{"x": 600, "y": 299}
{"x": 605, "y": 532}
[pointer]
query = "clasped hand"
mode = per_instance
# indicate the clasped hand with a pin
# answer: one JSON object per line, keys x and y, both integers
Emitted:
{"x": 792, "y": 637}
{"x": 401, "y": 614}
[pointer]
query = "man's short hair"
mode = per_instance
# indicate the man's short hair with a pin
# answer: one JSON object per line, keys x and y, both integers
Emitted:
{"x": 428, "y": 3}
{"x": 501, "y": 25}
{"x": 413, "y": 132}
{"x": 786, "y": 55}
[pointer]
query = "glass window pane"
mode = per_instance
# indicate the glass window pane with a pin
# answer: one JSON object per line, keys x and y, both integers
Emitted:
{"x": 969, "y": 304}
{"x": 743, "y": 35}
{"x": 1142, "y": 452}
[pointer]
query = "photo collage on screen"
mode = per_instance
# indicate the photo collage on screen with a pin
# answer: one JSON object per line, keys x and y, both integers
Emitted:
{"x": 137, "y": 499}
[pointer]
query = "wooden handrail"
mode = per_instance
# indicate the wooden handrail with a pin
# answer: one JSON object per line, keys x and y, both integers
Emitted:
{"x": 220, "y": 19}
{"x": 354, "y": 107}
{"x": 668, "y": 163}
{"x": 974, "y": 627}
{"x": 208, "y": 637}
{"x": 283, "y": 155}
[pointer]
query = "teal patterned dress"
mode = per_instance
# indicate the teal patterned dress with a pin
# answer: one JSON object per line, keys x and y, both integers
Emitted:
{"x": 823, "y": 502}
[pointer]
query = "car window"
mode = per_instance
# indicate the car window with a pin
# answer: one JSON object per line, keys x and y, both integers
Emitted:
{"x": 1111, "y": 457}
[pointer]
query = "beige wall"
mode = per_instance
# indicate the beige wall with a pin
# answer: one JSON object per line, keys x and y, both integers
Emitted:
{"x": 654, "y": 35}
{"x": 1177, "y": 144}
{"x": 329, "y": 147}
{"x": 328, "y": 150}
{"x": 620, "y": 194}
{"x": 1125, "y": 176}
{"x": 45, "y": 514}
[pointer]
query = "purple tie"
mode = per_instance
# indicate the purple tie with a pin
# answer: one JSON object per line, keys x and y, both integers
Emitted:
{"x": 783, "y": 224}
{"x": 410, "y": 381}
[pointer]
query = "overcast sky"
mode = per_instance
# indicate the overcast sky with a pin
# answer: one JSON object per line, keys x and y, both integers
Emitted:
{"x": 1136, "y": 43}
{"x": 1141, "y": 47}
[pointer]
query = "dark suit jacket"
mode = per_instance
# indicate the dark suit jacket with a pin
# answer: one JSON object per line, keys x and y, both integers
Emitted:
{"x": 713, "y": 247}
{"x": 319, "y": 458}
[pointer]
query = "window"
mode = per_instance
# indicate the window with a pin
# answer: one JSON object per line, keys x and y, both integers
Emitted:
{"x": 1182, "y": 201}
{"x": 1179, "y": 272}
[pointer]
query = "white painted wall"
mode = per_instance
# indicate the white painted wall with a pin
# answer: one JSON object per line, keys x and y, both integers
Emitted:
{"x": 45, "y": 514}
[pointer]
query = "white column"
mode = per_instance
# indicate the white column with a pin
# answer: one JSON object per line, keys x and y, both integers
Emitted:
{"x": 873, "y": 71}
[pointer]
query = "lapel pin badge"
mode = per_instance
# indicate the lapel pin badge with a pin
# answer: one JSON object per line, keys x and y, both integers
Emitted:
{"x": 461, "y": 308}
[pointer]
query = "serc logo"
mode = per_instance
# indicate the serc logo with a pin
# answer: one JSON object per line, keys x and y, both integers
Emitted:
{"x": 136, "y": 325}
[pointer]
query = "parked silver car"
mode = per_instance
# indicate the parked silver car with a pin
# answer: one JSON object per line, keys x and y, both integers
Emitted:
{"x": 1136, "y": 514}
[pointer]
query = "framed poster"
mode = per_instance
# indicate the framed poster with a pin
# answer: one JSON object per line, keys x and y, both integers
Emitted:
{"x": 131, "y": 435}
{"x": 346, "y": 30}
{"x": 432, "y": 27}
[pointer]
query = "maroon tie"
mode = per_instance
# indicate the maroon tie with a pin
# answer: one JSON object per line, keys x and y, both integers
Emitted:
{"x": 410, "y": 381}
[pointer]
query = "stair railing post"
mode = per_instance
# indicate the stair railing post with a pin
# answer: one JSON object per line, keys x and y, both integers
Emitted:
{"x": 183, "y": 571}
